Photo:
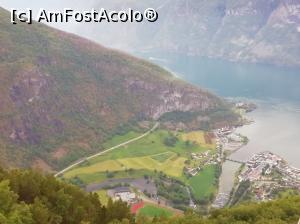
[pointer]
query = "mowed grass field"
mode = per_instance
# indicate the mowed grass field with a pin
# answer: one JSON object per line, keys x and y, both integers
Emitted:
{"x": 203, "y": 184}
{"x": 172, "y": 167}
{"x": 147, "y": 154}
{"x": 197, "y": 137}
{"x": 102, "y": 176}
{"x": 154, "y": 211}
{"x": 163, "y": 156}
{"x": 153, "y": 144}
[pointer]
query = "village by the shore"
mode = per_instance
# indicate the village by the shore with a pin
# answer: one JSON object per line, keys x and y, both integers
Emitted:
{"x": 226, "y": 140}
{"x": 268, "y": 173}
{"x": 265, "y": 171}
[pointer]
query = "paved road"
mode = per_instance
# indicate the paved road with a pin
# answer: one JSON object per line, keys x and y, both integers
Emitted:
{"x": 106, "y": 151}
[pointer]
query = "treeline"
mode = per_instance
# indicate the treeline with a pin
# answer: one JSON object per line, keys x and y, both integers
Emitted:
{"x": 174, "y": 192}
{"x": 283, "y": 211}
{"x": 28, "y": 197}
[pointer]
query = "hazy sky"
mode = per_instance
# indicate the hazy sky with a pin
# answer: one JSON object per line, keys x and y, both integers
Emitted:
{"x": 90, "y": 31}
{"x": 36, "y": 5}
{"x": 47, "y": 4}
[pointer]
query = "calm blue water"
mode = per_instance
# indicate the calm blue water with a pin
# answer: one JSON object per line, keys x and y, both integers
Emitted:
{"x": 231, "y": 79}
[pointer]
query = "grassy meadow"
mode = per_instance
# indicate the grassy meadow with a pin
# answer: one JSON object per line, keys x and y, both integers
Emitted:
{"x": 149, "y": 153}
{"x": 197, "y": 137}
{"x": 149, "y": 156}
{"x": 154, "y": 211}
{"x": 203, "y": 184}
{"x": 172, "y": 167}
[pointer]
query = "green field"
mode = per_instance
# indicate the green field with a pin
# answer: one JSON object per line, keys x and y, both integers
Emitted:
{"x": 149, "y": 153}
{"x": 198, "y": 137}
{"x": 171, "y": 167}
{"x": 102, "y": 176}
{"x": 150, "y": 145}
{"x": 163, "y": 156}
{"x": 203, "y": 184}
{"x": 149, "y": 156}
{"x": 153, "y": 211}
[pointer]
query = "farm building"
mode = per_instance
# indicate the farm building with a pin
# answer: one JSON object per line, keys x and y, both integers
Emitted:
{"x": 124, "y": 194}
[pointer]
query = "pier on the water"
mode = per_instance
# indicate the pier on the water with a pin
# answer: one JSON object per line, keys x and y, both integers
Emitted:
{"x": 235, "y": 161}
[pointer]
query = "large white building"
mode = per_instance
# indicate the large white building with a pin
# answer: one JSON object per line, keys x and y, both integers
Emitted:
{"x": 125, "y": 194}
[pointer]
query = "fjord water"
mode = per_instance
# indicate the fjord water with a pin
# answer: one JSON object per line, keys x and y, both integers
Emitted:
{"x": 276, "y": 91}
{"x": 230, "y": 79}
{"x": 276, "y": 128}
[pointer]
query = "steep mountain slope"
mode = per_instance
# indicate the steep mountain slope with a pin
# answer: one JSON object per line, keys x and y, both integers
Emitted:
{"x": 251, "y": 31}
{"x": 62, "y": 96}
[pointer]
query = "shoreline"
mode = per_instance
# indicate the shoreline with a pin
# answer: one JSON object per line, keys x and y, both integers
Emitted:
{"x": 223, "y": 198}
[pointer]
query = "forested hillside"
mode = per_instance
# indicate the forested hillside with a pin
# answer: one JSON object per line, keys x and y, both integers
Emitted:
{"x": 62, "y": 96}
{"x": 28, "y": 197}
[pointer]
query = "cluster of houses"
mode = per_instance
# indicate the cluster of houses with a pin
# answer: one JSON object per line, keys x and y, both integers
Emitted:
{"x": 228, "y": 139}
{"x": 192, "y": 171}
{"x": 259, "y": 171}
{"x": 204, "y": 159}
{"x": 289, "y": 171}
{"x": 260, "y": 164}
{"x": 263, "y": 163}
{"x": 263, "y": 190}
{"x": 199, "y": 156}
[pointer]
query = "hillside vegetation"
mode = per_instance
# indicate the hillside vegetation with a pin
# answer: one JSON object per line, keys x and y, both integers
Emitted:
{"x": 161, "y": 157}
{"x": 139, "y": 155}
{"x": 63, "y": 96}
{"x": 28, "y": 197}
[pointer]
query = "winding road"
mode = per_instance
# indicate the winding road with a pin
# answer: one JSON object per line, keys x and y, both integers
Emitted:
{"x": 107, "y": 150}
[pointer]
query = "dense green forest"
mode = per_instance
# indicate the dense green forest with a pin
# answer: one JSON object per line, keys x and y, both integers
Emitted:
{"x": 28, "y": 197}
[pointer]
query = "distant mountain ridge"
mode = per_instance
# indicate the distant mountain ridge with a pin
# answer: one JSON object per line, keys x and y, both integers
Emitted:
{"x": 243, "y": 31}
{"x": 62, "y": 96}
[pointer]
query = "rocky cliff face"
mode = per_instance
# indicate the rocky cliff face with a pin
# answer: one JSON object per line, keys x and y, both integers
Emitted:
{"x": 243, "y": 30}
{"x": 62, "y": 96}
{"x": 170, "y": 97}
